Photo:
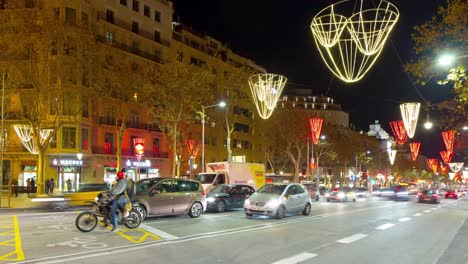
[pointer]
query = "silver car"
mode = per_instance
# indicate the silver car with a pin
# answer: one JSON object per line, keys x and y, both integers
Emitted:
{"x": 169, "y": 196}
{"x": 278, "y": 199}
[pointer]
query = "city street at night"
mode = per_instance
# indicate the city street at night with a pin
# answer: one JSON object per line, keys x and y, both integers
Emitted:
{"x": 370, "y": 230}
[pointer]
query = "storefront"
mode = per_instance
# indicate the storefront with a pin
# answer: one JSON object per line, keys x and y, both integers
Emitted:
{"x": 140, "y": 169}
{"x": 68, "y": 171}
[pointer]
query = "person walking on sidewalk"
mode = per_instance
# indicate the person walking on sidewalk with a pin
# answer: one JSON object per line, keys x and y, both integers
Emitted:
{"x": 51, "y": 186}
{"x": 14, "y": 186}
{"x": 28, "y": 185}
{"x": 33, "y": 185}
{"x": 47, "y": 183}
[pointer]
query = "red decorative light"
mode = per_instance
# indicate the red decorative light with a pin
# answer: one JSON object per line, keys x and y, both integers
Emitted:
{"x": 107, "y": 148}
{"x": 433, "y": 164}
{"x": 399, "y": 131}
{"x": 414, "y": 147}
{"x": 312, "y": 165}
{"x": 139, "y": 146}
{"x": 315, "y": 128}
{"x": 193, "y": 147}
{"x": 449, "y": 139}
{"x": 443, "y": 169}
{"x": 156, "y": 150}
{"x": 446, "y": 156}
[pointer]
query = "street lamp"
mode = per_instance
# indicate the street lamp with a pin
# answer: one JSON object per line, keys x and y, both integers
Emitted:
{"x": 449, "y": 59}
{"x": 220, "y": 104}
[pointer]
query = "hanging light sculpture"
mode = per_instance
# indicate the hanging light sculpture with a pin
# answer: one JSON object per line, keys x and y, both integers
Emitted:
{"x": 315, "y": 128}
{"x": 414, "y": 148}
{"x": 410, "y": 113}
{"x": 433, "y": 164}
{"x": 451, "y": 175}
{"x": 399, "y": 131}
{"x": 446, "y": 156}
{"x": 351, "y": 42}
{"x": 266, "y": 89}
{"x": 25, "y": 133}
{"x": 443, "y": 169}
{"x": 449, "y": 139}
{"x": 312, "y": 165}
{"x": 456, "y": 166}
{"x": 193, "y": 147}
{"x": 392, "y": 155}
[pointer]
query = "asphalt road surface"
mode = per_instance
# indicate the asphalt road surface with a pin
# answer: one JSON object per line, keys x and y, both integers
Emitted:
{"x": 367, "y": 231}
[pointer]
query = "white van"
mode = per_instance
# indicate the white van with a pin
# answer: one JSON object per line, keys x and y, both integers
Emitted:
{"x": 252, "y": 174}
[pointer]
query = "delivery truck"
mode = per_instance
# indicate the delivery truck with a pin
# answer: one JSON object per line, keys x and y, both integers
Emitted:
{"x": 252, "y": 174}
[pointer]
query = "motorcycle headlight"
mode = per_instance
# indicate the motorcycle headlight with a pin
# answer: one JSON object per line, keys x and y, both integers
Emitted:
{"x": 96, "y": 199}
{"x": 273, "y": 203}
{"x": 341, "y": 195}
{"x": 210, "y": 199}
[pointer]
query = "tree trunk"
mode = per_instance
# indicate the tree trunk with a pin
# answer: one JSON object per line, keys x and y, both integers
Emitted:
{"x": 228, "y": 139}
{"x": 40, "y": 173}
{"x": 174, "y": 148}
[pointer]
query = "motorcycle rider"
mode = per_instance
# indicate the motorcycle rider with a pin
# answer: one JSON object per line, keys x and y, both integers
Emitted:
{"x": 118, "y": 192}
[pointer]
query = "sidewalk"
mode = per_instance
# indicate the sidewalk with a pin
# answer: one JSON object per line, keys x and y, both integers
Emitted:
{"x": 23, "y": 201}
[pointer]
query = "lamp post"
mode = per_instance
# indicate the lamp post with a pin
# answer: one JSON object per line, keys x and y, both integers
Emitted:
{"x": 220, "y": 104}
{"x": 79, "y": 155}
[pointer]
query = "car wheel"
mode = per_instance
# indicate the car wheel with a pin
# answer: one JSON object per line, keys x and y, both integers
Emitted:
{"x": 281, "y": 212}
{"x": 248, "y": 215}
{"x": 220, "y": 206}
{"x": 328, "y": 200}
{"x": 195, "y": 210}
{"x": 306, "y": 209}
{"x": 140, "y": 209}
{"x": 354, "y": 199}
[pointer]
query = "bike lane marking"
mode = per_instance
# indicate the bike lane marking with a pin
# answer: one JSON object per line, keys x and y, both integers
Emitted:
{"x": 10, "y": 238}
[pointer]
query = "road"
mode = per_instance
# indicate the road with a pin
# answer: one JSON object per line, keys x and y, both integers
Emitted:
{"x": 367, "y": 231}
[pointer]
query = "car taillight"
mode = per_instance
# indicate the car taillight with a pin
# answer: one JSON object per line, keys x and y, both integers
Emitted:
{"x": 419, "y": 194}
{"x": 434, "y": 195}
{"x": 203, "y": 193}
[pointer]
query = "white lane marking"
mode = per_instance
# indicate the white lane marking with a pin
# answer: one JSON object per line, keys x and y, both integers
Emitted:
{"x": 434, "y": 208}
{"x": 427, "y": 211}
{"x": 418, "y": 214}
{"x": 296, "y": 259}
{"x": 404, "y": 219}
{"x": 351, "y": 239}
{"x": 384, "y": 226}
{"x": 157, "y": 232}
{"x": 214, "y": 216}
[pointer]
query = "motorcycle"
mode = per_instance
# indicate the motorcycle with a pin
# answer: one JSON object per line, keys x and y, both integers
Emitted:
{"x": 88, "y": 220}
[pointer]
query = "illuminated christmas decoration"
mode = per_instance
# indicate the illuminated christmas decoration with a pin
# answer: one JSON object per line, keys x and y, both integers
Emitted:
{"x": 266, "y": 89}
{"x": 446, "y": 156}
{"x": 443, "y": 169}
{"x": 25, "y": 133}
{"x": 350, "y": 42}
{"x": 391, "y": 156}
{"x": 312, "y": 165}
{"x": 456, "y": 166}
{"x": 451, "y": 175}
{"x": 139, "y": 147}
{"x": 194, "y": 147}
{"x": 315, "y": 128}
{"x": 399, "y": 131}
{"x": 414, "y": 148}
{"x": 433, "y": 164}
{"x": 449, "y": 139}
{"x": 410, "y": 113}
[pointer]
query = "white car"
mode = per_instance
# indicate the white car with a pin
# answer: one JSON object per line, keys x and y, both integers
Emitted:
{"x": 278, "y": 199}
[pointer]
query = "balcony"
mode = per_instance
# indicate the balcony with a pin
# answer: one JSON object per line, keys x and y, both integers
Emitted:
{"x": 130, "y": 49}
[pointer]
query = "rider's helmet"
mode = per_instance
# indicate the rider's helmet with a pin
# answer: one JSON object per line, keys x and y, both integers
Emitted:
{"x": 120, "y": 175}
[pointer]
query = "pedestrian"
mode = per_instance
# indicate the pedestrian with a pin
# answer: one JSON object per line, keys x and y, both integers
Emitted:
{"x": 51, "y": 186}
{"x": 33, "y": 185}
{"x": 47, "y": 187}
{"x": 14, "y": 186}
{"x": 28, "y": 185}
{"x": 69, "y": 185}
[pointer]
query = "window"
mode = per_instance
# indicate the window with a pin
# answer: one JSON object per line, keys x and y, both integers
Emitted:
{"x": 135, "y": 27}
{"x": 146, "y": 11}
{"x": 180, "y": 56}
{"x": 110, "y": 38}
{"x": 136, "y": 6}
{"x": 108, "y": 143}
{"x": 85, "y": 107}
{"x": 110, "y": 16}
{"x": 68, "y": 106}
{"x": 123, "y": 2}
{"x": 3, "y": 4}
{"x": 70, "y": 16}
{"x": 156, "y": 147}
{"x": 157, "y": 36}
{"x": 53, "y": 142}
{"x": 157, "y": 16}
{"x": 84, "y": 139}
{"x": 68, "y": 137}
{"x": 84, "y": 20}
{"x": 57, "y": 12}
{"x": 135, "y": 120}
{"x": 29, "y": 3}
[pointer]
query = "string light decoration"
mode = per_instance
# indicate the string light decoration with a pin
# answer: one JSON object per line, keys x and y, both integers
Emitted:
{"x": 410, "y": 113}
{"x": 399, "y": 131}
{"x": 315, "y": 128}
{"x": 350, "y": 43}
{"x": 449, "y": 139}
{"x": 443, "y": 169}
{"x": 193, "y": 147}
{"x": 25, "y": 133}
{"x": 392, "y": 155}
{"x": 266, "y": 89}
{"x": 414, "y": 148}
{"x": 451, "y": 175}
{"x": 433, "y": 164}
{"x": 456, "y": 166}
{"x": 446, "y": 156}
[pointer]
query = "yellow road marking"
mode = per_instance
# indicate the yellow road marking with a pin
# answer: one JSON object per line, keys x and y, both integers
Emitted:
{"x": 137, "y": 235}
{"x": 12, "y": 239}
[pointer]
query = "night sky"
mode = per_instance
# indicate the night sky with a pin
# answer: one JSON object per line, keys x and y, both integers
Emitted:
{"x": 276, "y": 35}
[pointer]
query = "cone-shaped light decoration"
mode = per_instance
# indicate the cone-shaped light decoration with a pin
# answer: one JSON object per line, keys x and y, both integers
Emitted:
{"x": 399, "y": 131}
{"x": 456, "y": 166}
{"x": 410, "y": 113}
{"x": 351, "y": 42}
{"x": 266, "y": 89}
{"x": 451, "y": 175}
{"x": 391, "y": 156}
{"x": 312, "y": 165}
{"x": 433, "y": 164}
{"x": 443, "y": 169}
{"x": 446, "y": 156}
{"x": 315, "y": 128}
{"x": 414, "y": 148}
{"x": 449, "y": 139}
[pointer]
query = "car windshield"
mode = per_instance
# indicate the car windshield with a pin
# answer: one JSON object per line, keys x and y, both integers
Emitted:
{"x": 206, "y": 178}
{"x": 272, "y": 189}
{"x": 221, "y": 189}
{"x": 144, "y": 186}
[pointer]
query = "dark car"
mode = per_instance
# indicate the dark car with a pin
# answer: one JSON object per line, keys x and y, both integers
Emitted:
{"x": 451, "y": 194}
{"x": 400, "y": 193}
{"x": 228, "y": 196}
{"x": 430, "y": 196}
{"x": 312, "y": 190}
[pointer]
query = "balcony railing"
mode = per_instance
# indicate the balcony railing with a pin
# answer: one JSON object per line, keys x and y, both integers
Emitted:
{"x": 130, "y": 49}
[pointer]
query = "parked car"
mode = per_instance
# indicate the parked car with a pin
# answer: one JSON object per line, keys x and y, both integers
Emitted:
{"x": 86, "y": 192}
{"x": 278, "y": 199}
{"x": 431, "y": 196}
{"x": 383, "y": 192}
{"x": 343, "y": 194}
{"x": 451, "y": 194}
{"x": 228, "y": 196}
{"x": 361, "y": 192}
{"x": 312, "y": 190}
{"x": 170, "y": 196}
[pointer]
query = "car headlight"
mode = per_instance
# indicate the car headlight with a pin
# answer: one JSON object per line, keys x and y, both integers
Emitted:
{"x": 327, "y": 195}
{"x": 210, "y": 199}
{"x": 247, "y": 202}
{"x": 96, "y": 199}
{"x": 273, "y": 203}
{"x": 341, "y": 195}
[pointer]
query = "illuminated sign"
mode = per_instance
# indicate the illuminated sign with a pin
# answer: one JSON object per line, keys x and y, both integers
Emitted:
{"x": 64, "y": 162}
{"x": 145, "y": 163}
{"x": 139, "y": 144}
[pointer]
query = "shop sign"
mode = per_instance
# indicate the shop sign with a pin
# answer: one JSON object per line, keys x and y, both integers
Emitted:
{"x": 65, "y": 162}
{"x": 134, "y": 163}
